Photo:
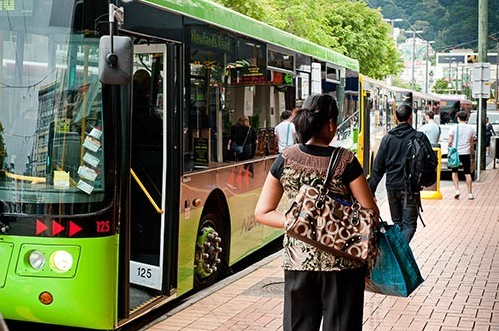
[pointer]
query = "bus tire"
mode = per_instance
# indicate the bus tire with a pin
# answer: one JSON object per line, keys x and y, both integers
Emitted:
{"x": 209, "y": 261}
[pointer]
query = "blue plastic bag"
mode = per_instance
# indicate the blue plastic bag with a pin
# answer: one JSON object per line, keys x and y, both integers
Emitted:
{"x": 395, "y": 272}
{"x": 453, "y": 158}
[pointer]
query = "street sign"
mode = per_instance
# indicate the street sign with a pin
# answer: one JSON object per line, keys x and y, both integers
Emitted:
{"x": 481, "y": 80}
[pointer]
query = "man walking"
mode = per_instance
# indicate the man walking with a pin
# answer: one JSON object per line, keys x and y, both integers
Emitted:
{"x": 391, "y": 159}
{"x": 431, "y": 129}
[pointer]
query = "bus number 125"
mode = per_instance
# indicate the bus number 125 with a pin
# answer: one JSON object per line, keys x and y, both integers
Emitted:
{"x": 144, "y": 272}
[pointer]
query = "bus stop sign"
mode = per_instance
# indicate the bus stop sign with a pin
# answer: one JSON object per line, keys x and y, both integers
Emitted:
{"x": 481, "y": 80}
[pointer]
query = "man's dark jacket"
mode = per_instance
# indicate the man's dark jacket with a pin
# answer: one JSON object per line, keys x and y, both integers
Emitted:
{"x": 391, "y": 158}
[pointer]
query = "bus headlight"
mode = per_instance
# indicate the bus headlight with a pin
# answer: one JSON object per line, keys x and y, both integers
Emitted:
{"x": 37, "y": 260}
{"x": 61, "y": 261}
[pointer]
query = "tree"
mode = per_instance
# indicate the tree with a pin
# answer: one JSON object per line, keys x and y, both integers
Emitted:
{"x": 306, "y": 19}
{"x": 441, "y": 86}
{"x": 397, "y": 81}
{"x": 349, "y": 27}
{"x": 251, "y": 8}
{"x": 364, "y": 36}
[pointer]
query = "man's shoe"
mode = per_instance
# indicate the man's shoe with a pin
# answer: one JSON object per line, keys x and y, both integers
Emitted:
{"x": 456, "y": 194}
{"x": 470, "y": 196}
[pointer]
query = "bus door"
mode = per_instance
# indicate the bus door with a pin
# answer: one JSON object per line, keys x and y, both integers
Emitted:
{"x": 148, "y": 167}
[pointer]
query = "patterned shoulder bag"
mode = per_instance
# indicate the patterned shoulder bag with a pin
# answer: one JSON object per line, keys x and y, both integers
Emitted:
{"x": 317, "y": 217}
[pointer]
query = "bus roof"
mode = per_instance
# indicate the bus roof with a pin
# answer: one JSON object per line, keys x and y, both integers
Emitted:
{"x": 218, "y": 15}
{"x": 376, "y": 82}
{"x": 453, "y": 97}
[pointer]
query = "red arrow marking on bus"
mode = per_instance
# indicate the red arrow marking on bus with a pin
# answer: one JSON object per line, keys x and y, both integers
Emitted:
{"x": 40, "y": 227}
{"x": 73, "y": 228}
{"x": 56, "y": 228}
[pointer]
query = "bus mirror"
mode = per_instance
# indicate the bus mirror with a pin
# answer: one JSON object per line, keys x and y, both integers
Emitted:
{"x": 115, "y": 67}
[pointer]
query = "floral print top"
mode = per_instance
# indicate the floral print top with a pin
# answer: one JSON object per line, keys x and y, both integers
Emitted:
{"x": 302, "y": 164}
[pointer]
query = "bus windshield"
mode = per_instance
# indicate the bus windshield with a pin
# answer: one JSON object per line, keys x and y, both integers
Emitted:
{"x": 51, "y": 132}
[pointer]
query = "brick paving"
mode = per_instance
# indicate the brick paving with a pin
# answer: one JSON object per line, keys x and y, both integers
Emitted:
{"x": 458, "y": 253}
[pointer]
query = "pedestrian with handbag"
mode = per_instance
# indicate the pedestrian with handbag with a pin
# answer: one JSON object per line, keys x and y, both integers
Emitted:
{"x": 462, "y": 135}
{"x": 242, "y": 140}
{"x": 318, "y": 286}
{"x": 285, "y": 131}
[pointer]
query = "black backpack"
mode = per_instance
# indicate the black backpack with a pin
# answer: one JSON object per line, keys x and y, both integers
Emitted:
{"x": 421, "y": 164}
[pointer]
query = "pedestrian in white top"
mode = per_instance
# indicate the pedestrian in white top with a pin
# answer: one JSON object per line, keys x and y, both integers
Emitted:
{"x": 285, "y": 131}
{"x": 462, "y": 136}
{"x": 431, "y": 129}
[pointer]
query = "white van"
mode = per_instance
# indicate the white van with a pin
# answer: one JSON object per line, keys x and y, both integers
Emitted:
{"x": 493, "y": 119}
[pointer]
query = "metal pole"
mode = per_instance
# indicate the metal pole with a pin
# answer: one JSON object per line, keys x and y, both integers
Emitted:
{"x": 468, "y": 83}
{"x": 482, "y": 57}
{"x": 497, "y": 75}
{"x": 426, "y": 72}
{"x": 413, "y": 56}
{"x": 479, "y": 143}
{"x": 461, "y": 81}
{"x": 450, "y": 76}
{"x": 482, "y": 30}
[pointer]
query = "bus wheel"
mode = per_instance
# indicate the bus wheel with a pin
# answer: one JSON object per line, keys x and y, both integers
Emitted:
{"x": 208, "y": 257}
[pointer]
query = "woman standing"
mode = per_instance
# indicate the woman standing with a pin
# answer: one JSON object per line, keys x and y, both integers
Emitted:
{"x": 318, "y": 286}
{"x": 489, "y": 132}
{"x": 243, "y": 135}
{"x": 285, "y": 131}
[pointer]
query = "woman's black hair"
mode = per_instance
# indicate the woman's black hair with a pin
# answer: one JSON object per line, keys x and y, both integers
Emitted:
{"x": 315, "y": 112}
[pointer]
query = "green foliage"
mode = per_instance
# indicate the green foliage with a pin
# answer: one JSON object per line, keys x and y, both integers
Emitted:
{"x": 441, "y": 86}
{"x": 364, "y": 36}
{"x": 400, "y": 83}
{"x": 251, "y": 8}
{"x": 349, "y": 27}
{"x": 305, "y": 19}
{"x": 451, "y": 23}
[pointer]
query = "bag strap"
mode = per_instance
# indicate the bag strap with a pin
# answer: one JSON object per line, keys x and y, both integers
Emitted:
{"x": 287, "y": 134}
{"x": 408, "y": 191}
{"x": 333, "y": 164}
{"x": 247, "y": 134}
{"x": 331, "y": 168}
{"x": 457, "y": 135}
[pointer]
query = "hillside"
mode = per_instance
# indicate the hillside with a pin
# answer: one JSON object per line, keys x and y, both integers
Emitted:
{"x": 450, "y": 23}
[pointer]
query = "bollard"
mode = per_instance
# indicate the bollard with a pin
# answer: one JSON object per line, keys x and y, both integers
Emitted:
{"x": 433, "y": 192}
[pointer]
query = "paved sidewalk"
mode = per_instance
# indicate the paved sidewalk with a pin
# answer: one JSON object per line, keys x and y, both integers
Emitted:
{"x": 458, "y": 253}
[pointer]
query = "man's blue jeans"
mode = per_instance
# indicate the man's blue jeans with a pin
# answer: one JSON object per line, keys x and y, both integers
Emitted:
{"x": 404, "y": 212}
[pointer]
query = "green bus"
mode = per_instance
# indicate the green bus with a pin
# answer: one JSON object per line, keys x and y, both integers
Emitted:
{"x": 118, "y": 190}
